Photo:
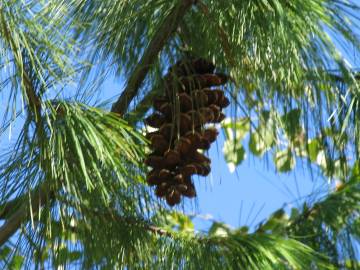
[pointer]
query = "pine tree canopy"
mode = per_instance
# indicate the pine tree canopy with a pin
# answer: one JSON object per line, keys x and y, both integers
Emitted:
{"x": 74, "y": 192}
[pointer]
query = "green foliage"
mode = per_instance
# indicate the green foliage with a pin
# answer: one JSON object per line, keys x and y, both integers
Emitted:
{"x": 264, "y": 137}
{"x": 285, "y": 136}
{"x": 235, "y": 132}
{"x": 97, "y": 211}
{"x": 284, "y": 160}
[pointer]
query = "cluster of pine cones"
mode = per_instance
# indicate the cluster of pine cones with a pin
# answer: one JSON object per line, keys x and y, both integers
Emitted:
{"x": 180, "y": 116}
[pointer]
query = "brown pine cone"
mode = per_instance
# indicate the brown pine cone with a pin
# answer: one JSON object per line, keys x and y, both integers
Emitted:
{"x": 161, "y": 190}
{"x": 168, "y": 131}
{"x": 202, "y": 169}
{"x": 210, "y": 134}
{"x": 171, "y": 157}
{"x": 173, "y": 197}
{"x": 179, "y": 178}
{"x": 181, "y": 188}
{"x": 158, "y": 143}
{"x": 219, "y": 94}
{"x": 223, "y": 102}
{"x": 217, "y": 97}
{"x": 194, "y": 137}
{"x": 200, "y": 98}
{"x": 207, "y": 114}
{"x": 153, "y": 178}
{"x": 185, "y": 122}
{"x": 198, "y": 158}
{"x": 183, "y": 145}
{"x": 203, "y": 81}
{"x": 211, "y": 95}
{"x": 190, "y": 191}
{"x": 185, "y": 102}
{"x": 155, "y": 120}
{"x": 159, "y": 101}
{"x": 192, "y": 66}
{"x": 188, "y": 170}
{"x": 197, "y": 118}
{"x": 166, "y": 109}
{"x": 204, "y": 144}
{"x": 149, "y": 135}
{"x": 220, "y": 118}
{"x": 165, "y": 174}
{"x": 202, "y": 66}
{"x": 157, "y": 162}
{"x": 216, "y": 110}
{"x": 180, "y": 116}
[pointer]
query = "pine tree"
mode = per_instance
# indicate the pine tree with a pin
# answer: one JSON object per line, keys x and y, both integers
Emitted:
{"x": 73, "y": 184}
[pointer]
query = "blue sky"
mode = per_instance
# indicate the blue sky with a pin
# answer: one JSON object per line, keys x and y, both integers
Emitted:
{"x": 253, "y": 191}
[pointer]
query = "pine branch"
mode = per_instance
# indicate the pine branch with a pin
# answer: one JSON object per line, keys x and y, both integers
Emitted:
{"x": 14, "y": 221}
{"x": 34, "y": 105}
{"x": 342, "y": 204}
{"x": 9, "y": 207}
{"x": 165, "y": 30}
{"x": 230, "y": 249}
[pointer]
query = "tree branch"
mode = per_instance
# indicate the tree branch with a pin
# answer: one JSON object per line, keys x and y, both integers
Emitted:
{"x": 9, "y": 207}
{"x": 38, "y": 199}
{"x": 164, "y": 32}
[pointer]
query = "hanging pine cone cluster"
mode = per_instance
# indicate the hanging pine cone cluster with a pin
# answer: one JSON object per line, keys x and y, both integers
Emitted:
{"x": 180, "y": 116}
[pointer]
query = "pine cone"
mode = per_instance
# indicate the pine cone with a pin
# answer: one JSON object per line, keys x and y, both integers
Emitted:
{"x": 180, "y": 116}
